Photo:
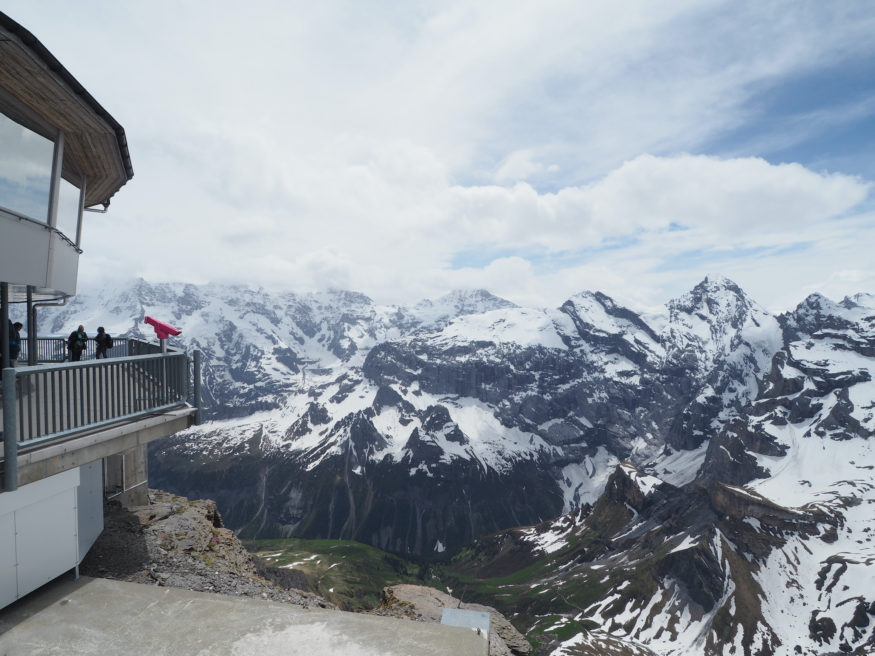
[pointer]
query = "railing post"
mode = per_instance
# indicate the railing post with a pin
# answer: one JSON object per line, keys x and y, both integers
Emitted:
{"x": 4, "y": 324}
{"x": 31, "y": 328}
{"x": 10, "y": 431}
{"x": 198, "y": 356}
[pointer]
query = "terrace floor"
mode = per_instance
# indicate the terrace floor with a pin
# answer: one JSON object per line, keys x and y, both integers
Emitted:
{"x": 101, "y": 616}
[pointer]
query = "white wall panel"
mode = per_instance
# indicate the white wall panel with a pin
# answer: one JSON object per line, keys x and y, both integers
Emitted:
{"x": 89, "y": 499}
{"x": 38, "y": 534}
{"x": 47, "y": 540}
{"x": 8, "y": 576}
{"x": 24, "y": 250}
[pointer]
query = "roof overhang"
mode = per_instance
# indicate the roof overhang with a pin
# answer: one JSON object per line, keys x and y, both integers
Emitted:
{"x": 94, "y": 143}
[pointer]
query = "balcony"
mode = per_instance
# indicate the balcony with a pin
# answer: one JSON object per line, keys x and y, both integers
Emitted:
{"x": 65, "y": 414}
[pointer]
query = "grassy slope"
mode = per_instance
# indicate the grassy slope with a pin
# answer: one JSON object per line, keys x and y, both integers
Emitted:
{"x": 353, "y": 575}
{"x": 539, "y": 594}
{"x": 349, "y": 574}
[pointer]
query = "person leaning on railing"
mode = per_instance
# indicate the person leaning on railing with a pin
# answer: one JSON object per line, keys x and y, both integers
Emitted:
{"x": 104, "y": 342}
{"x": 76, "y": 343}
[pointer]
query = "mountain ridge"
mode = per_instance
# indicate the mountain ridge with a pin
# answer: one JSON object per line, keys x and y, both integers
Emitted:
{"x": 419, "y": 433}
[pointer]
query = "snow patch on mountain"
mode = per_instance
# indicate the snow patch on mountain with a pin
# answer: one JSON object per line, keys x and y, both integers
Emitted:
{"x": 647, "y": 484}
{"x": 584, "y": 482}
{"x": 520, "y": 326}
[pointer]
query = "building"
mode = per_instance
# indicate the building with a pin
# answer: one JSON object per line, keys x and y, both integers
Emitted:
{"x": 73, "y": 432}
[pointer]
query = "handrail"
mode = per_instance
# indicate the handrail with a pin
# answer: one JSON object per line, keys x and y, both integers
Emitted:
{"x": 54, "y": 349}
{"x": 54, "y": 401}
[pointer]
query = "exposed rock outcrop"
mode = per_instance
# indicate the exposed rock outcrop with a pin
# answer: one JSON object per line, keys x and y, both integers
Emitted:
{"x": 179, "y": 543}
{"x": 425, "y": 604}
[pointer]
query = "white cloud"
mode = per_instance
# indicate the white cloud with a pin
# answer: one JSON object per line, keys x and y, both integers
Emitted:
{"x": 518, "y": 165}
{"x": 377, "y": 146}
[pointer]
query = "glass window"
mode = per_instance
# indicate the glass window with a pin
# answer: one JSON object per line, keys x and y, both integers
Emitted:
{"x": 25, "y": 170}
{"x": 68, "y": 209}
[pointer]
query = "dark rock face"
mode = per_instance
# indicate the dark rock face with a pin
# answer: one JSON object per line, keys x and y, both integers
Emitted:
{"x": 821, "y": 629}
{"x": 407, "y": 509}
{"x": 699, "y": 574}
{"x": 387, "y": 397}
{"x": 730, "y": 457}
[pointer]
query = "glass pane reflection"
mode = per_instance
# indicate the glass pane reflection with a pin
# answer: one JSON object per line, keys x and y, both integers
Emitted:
{"x": 68, "y": 209}
{"x": 25, "y": 170}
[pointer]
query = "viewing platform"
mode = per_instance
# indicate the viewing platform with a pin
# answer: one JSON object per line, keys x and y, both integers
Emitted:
{"x": 66, "y": 414}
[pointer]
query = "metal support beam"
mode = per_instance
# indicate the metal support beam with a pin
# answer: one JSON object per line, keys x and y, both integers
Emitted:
{"x": 31, "y": 328}
{"x": 10, "y": 431}
{"x": 55, "y": 188}
{"x": 79, "y": 216}
{"x": 198, "y": 357}
{"x": 39, "y": 462}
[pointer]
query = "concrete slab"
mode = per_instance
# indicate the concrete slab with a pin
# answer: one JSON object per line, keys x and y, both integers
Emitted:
{"x": 100, "y": 616}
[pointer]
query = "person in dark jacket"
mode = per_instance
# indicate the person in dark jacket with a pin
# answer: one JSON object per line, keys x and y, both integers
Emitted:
{"x": 15, "y": 343}
{"x": 104, "y": 342}
{"x": 76, "y": 343}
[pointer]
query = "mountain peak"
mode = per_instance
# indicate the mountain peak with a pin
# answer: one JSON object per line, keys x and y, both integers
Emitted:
{"x": 817, "y": 312}
{"x": 816, "y": 303}
{"x": 716, "y": 282}
{"x": 481, "y": 297}
{"x": 861, "y": 300}
{"x": 458, "y": 303}
{"x": 717, "y": 297}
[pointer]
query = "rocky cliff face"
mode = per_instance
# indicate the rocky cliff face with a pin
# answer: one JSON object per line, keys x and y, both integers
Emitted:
{"x": 182, "y": 543}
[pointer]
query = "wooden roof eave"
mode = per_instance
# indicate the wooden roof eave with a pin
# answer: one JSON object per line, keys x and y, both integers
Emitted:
{"x": 95, "y": 144}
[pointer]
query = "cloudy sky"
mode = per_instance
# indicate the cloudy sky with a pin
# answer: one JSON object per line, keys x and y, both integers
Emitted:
{"x": 537, "y": 149}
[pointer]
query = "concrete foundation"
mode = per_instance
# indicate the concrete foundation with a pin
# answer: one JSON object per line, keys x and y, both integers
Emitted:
{"x": 126, "y": 477}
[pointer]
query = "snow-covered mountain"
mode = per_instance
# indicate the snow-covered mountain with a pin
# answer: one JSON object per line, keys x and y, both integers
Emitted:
{"x": 714, "y": 463}
{"x": 769, "y": 550}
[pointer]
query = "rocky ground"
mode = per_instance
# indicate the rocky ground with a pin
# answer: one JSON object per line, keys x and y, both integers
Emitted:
{"x": 180, "y": 543}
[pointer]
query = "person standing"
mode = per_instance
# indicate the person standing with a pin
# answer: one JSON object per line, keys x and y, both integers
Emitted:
{"x": 15, "y": 343}
{"x": 104, "y": 342}
{"x": 76, "y": 343}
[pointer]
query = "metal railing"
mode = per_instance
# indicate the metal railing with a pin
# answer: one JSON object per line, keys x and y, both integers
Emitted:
{"x": 56, "y": 400}
{"x": 47, "y": 403}
{"x": 54, "y": 349}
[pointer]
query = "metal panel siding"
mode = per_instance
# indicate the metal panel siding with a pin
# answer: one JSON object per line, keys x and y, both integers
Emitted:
{"x": 24, "y": 250}
{"x": 47, "y": 542}
{"x": 89, "y": 498}
{"x": 42, "y": 489}
{"x": 64, "y": 266}
{"x": 8, "y": 576}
